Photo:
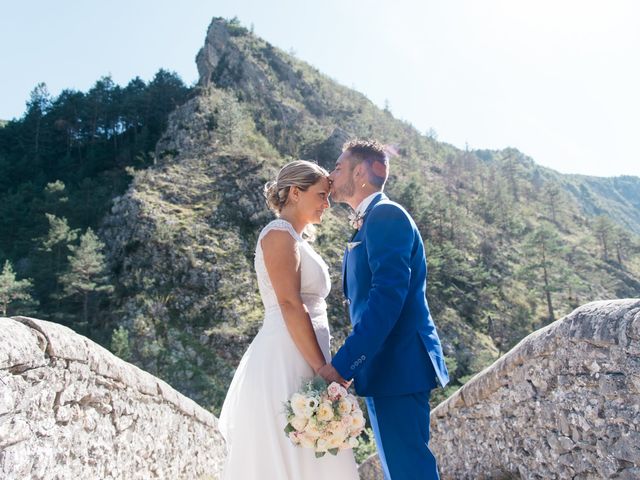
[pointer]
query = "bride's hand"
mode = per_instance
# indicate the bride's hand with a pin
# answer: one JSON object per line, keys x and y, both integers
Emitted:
{"x": 330, "y": 374}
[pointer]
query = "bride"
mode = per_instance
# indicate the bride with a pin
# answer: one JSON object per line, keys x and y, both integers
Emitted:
{"x": 292, "y": 344}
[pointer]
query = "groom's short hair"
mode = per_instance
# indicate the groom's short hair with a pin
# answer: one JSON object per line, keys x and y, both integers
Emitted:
{"x": 374, "y": 155}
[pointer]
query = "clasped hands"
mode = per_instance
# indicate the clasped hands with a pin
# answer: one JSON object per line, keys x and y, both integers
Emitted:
{"x": 330, "y": 374}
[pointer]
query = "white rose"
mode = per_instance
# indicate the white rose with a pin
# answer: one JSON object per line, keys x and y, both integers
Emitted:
{"x": 340, "y": 434}
{"x": 335, "y": 442}
{"x": 357, "y": 422}
{"x": 336, "y": 426}
{"x": 298, "y": 404}
{"x": 325, "y": 412}
{"x": 322, "y": 445}
{"x": 307, "y": 441}
{"x": 312, "y": 430}
{"x": 346, "y": 421}
{"x": 299, "y": 423}
{"x": 344, "y": 406}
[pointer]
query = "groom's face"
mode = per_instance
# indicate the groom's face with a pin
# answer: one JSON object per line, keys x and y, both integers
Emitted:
{"x": 343, "y": 186}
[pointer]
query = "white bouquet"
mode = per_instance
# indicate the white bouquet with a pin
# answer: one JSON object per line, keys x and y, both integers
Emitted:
{"x": 323, "y": 418}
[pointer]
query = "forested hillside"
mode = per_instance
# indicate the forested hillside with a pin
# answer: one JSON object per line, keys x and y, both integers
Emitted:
{"x": 61, "y": 164}
{"x": 131, "y": 214}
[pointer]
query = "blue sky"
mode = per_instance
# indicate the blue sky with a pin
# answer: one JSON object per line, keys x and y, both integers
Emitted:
{"x": 556, "y": 79}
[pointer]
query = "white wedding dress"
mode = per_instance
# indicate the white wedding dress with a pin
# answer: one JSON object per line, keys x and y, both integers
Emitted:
{"x": 252, "y": 420}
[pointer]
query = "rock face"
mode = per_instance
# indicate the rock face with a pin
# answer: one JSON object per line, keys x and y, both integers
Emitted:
{"x": 71, "y": 409}
{"x": 563, "y": 403}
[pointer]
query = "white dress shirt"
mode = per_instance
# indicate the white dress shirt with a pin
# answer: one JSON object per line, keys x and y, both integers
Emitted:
{"x": 364, "y": 204}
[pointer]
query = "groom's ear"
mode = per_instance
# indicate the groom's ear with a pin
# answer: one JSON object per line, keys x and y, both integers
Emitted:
{"x": 358, "y": 170}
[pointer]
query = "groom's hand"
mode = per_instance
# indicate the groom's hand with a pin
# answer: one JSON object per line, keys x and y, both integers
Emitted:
{"x": 330, "y": 374}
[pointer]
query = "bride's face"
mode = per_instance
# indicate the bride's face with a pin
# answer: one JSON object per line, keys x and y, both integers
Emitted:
{"x": 314, "y": 201}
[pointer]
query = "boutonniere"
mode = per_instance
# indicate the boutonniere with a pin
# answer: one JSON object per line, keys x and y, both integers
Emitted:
{"x": 352, "y": 245}
{"x": 356, "y": 220}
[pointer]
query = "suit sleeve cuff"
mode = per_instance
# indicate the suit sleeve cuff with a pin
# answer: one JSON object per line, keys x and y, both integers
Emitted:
{"x": 339, "y": 364}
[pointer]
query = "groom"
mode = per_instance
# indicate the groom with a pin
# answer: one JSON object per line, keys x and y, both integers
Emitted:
{"x": 393, "y": 353}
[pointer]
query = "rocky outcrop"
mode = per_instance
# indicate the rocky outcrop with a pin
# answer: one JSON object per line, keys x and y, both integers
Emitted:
{"x": 71, "y": 409}
{"x": 564, "y": 403}
{"x": 292, "y": 104}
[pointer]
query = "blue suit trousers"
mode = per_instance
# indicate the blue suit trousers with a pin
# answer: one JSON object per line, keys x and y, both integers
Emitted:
{"x": 401, "y": 427}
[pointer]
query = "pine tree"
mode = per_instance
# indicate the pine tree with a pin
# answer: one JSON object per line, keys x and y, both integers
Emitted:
{"x": 87, "y": 274}
{"x": 603, "y": 229}
{"x": 12, "y": 290}
{"x": 510, "y": 172}
{"x": 622, "y": 243}
{"x": 120, "y": 343}
{"x": 542, "y": 269}
{"x": 553, "y": 197}
{"x": 55, "y": 196}
{"x": 54, "y": 247}
{"x": 58, "y": 238}
{"x": 38, "y": 105}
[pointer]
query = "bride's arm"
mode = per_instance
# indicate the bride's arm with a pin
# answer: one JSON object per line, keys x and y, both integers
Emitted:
{"x": 282, "y": 259}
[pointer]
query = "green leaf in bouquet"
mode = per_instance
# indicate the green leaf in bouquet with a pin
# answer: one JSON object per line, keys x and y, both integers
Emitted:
{"x": 288, "y": 429}
{"x": 320, "y": 454}
{"x": 318, "y": 383}
{"x": 288, "y": 411}
{"x": 333, "y": 451}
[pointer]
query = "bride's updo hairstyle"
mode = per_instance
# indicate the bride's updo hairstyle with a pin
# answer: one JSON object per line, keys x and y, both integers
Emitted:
{"x": 300, "y": 173}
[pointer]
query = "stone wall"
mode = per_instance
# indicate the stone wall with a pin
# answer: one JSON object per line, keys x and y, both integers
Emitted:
{"x": 563, "y": 403}
{"x": 71, "y": 409}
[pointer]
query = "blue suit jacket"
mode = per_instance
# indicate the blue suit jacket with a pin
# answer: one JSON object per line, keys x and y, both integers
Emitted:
{"x": 394, "y": 348}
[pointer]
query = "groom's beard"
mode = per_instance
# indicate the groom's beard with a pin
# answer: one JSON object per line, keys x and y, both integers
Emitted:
{"x": 346, "y": 191}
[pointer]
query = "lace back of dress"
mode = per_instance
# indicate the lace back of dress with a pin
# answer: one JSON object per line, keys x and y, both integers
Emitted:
{"x": 267, "y": 292}
{"x": 278, "y": 224}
